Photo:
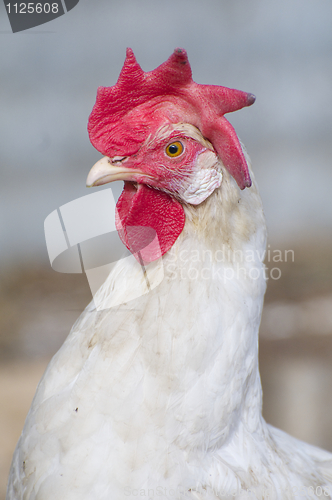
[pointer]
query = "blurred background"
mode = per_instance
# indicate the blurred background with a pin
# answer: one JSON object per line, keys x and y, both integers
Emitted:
{"x": 280, "y": 51}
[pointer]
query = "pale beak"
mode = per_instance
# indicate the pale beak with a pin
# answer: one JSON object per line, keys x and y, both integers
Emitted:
{"x": 105, "y": 171}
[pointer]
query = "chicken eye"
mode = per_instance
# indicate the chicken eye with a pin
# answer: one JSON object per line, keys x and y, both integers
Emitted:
{"x": 174, "y": 149}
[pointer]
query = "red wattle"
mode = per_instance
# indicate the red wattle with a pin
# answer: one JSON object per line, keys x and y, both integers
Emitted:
{"x": 148, "y": 221}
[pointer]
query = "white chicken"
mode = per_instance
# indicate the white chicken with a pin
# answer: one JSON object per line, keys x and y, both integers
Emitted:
{"x": 161, "y": 396}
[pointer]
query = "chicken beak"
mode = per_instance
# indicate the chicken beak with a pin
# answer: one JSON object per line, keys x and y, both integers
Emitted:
{"x": 105, "y": 171}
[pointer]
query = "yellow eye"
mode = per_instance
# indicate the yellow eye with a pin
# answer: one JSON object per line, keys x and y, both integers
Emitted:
{"x": 174, "y": 149}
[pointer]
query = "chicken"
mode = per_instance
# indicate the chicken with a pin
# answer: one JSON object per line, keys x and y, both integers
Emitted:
{"x": 161, "y": 396}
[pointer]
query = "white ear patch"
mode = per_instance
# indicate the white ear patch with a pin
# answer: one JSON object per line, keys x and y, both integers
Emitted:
{"x": 205, "y": 179}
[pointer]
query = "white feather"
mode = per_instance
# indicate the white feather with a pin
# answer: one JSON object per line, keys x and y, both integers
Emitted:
{"x": 161, "y": 396}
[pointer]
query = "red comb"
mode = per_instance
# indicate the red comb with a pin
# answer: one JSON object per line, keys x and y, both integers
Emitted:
{"x": 127, "y": 113}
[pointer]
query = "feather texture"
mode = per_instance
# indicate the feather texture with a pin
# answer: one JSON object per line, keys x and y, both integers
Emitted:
{"x": 163, "y": 394}
{"x": 158, "y": 394}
